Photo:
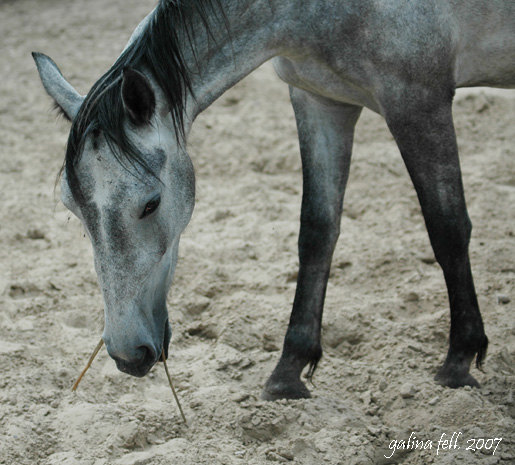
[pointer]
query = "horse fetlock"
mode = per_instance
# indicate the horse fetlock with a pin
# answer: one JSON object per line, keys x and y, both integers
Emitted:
{"x": 470, "y": 342}
{"x": 455, "y": 375}
{"x": 285, "y": 383}
{"x": 302, "y": 346}
{"x": 481, "y": 352}
{"x": 455, "y": 371}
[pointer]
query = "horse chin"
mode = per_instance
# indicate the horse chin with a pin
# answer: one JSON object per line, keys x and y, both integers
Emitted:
{"x": 130, "y": 369}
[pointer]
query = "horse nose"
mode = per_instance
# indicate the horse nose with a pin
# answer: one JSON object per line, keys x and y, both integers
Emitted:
{"x": 135, "y": 360}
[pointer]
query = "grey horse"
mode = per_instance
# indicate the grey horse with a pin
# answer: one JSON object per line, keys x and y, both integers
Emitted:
{"x": 129, "y": 179}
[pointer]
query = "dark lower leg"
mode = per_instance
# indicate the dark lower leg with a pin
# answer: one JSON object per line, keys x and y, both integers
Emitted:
{"x": 302, "y": 341}
{"x": 467, "y": 336}
{"x": 426, "y": 138}
{"x": 449, "y": 230}
{"x": 325, "y": 136}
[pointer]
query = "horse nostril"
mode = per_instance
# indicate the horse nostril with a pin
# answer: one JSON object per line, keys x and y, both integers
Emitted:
{"x": 147, "y": 355}
{"x": 135, "y": 361}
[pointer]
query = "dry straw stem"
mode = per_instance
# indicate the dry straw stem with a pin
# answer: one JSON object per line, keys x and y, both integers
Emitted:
{"x": 94, "y": 354}
{"x": 171, "y": 385}
{"x": 90, "y": 361}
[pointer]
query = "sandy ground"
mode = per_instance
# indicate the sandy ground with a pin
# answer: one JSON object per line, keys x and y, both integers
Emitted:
{"x": 386, "y": 321}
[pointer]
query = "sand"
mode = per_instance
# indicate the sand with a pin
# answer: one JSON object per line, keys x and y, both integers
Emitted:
{"x": 386, "y": 320}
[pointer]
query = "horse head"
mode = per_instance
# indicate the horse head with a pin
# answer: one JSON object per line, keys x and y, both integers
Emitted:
{"x": 131, "y": 184}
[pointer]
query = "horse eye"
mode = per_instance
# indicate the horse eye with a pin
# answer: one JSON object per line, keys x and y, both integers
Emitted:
{"x": 150, "y": 207}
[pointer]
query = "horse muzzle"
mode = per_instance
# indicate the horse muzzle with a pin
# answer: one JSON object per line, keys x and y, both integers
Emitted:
{"x": 140, "y": 364}
{"x": 137, "y": 356}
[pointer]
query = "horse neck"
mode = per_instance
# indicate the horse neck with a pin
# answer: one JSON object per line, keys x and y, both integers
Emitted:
{"x": 250, "y": 34}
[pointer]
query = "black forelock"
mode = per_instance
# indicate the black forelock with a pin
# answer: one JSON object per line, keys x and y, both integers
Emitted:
{"x": 158, "y": 49}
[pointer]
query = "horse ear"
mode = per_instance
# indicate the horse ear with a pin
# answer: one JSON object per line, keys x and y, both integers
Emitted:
{"x": 66, "y": 98}
{"x": 138, "y": 97}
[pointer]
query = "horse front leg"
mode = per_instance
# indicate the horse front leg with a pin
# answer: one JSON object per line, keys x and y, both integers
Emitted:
{"x": 326, "y": 132}
{"x": 425, "y": 135}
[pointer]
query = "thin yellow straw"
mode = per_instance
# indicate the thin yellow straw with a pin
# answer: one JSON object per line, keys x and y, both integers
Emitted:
{"x": 94, "y": 354}
{"x": 90, "y": 361}
{"x": 171, "y": 385}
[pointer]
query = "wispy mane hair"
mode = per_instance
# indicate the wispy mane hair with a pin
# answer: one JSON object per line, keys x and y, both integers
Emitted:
{"x": 159, "y": 50}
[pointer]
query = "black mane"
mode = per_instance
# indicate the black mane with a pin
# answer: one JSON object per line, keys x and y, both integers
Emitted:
{"x": 158, "y": 50}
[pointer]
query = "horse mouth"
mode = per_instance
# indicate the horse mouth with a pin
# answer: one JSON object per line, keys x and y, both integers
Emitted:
{"x": 166, "y": 340}
{"x": 141, "y": 367}
{"x": 134, "y": 370}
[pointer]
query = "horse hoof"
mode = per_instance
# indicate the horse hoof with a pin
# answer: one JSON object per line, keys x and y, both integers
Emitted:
{"x": 275, "y": 390}
{"x": 451, "y": 379}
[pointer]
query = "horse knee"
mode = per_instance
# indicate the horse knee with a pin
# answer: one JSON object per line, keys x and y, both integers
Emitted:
{"x": 321, "y": 221}
{"x": 450, "y": 237}
{"x": 318, "y": 235}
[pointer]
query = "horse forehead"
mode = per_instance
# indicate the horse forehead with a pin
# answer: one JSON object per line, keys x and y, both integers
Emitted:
{"x": 106, "y": 178}
{"x": 111, "y": 186}
{"x": 103, "y": 188}
{"x": 107, "y": 198}
{"x": 107, "y": 213}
